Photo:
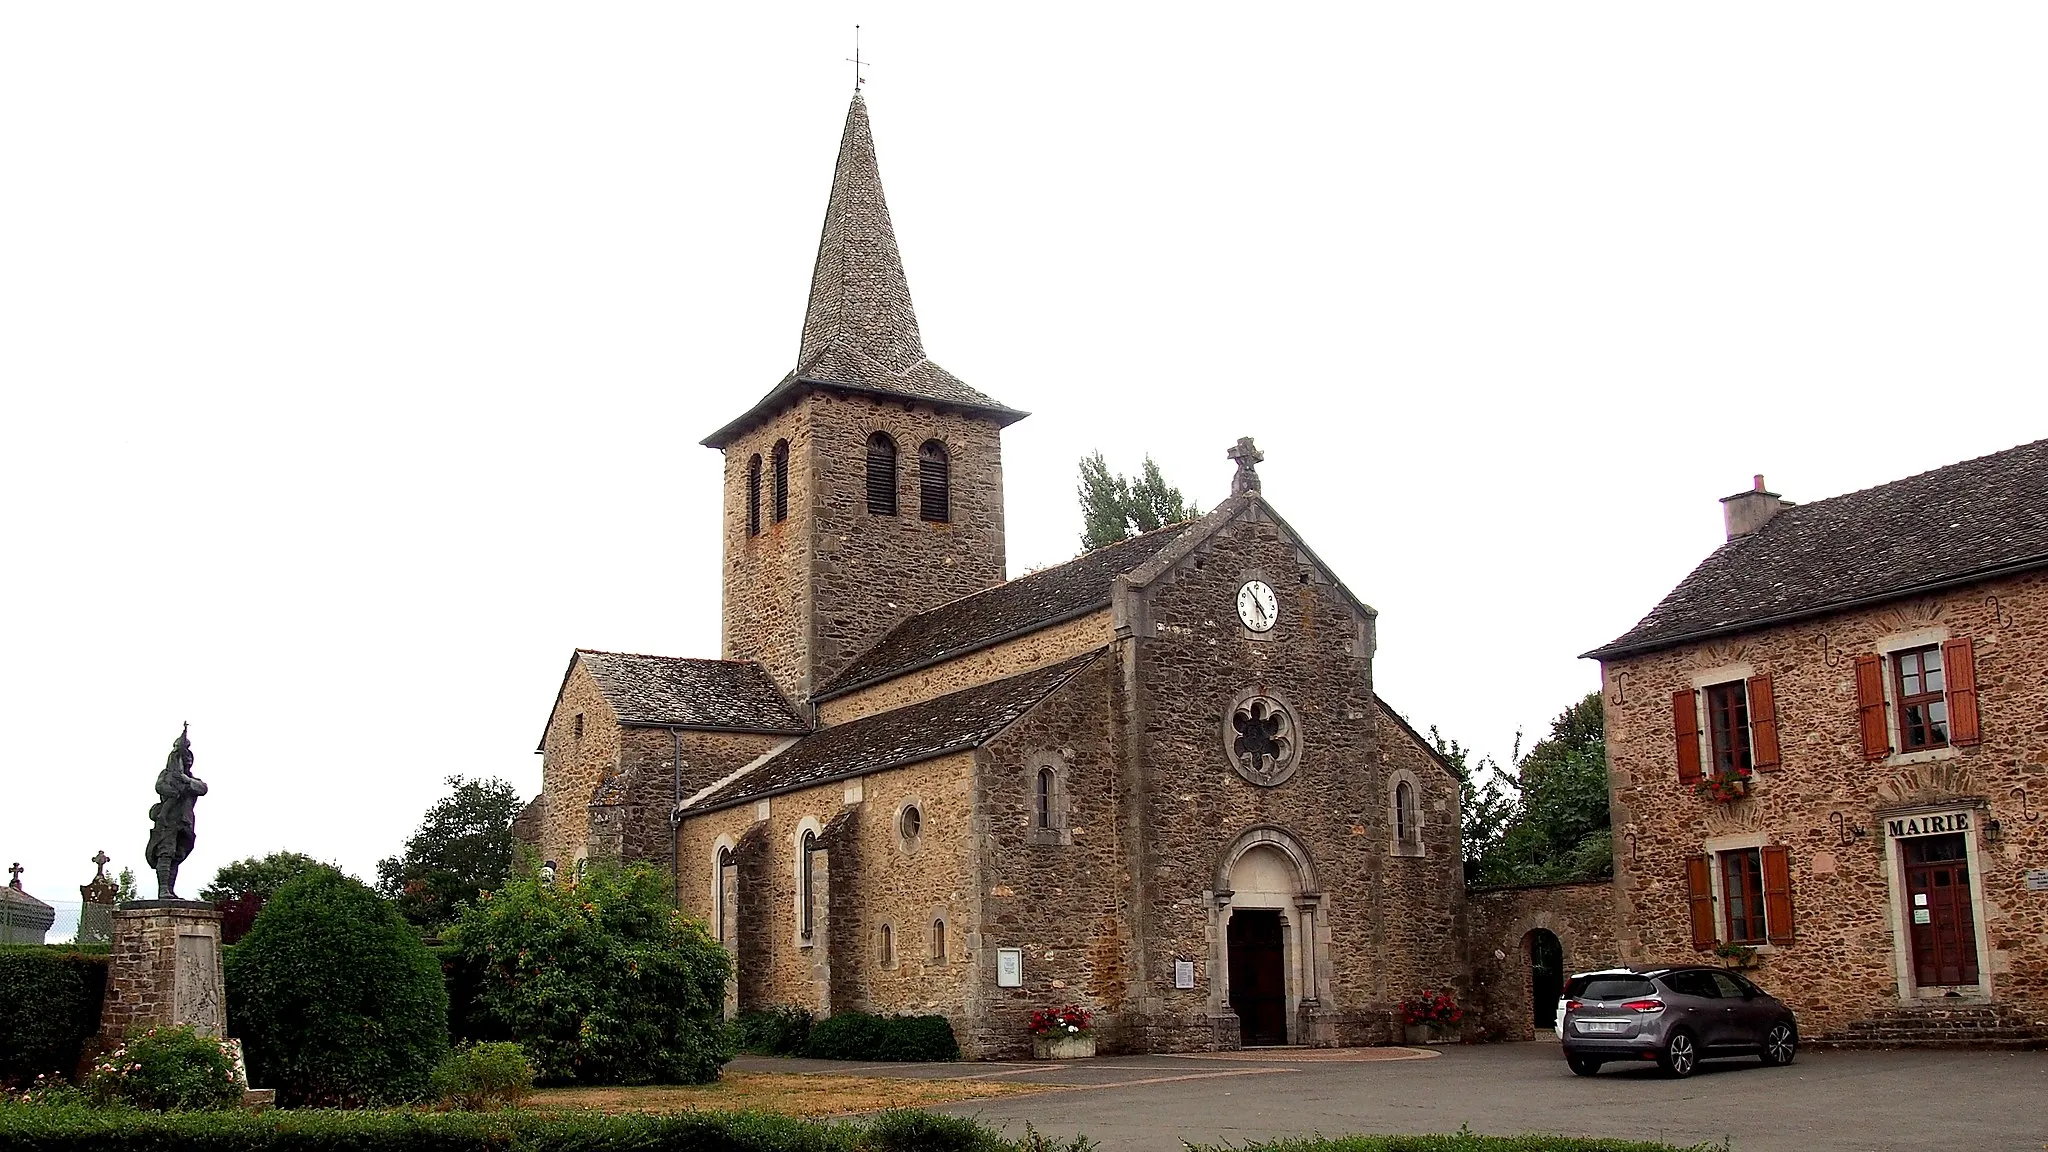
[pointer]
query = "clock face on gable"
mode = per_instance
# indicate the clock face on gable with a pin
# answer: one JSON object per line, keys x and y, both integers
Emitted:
{"x": 1257, "y": 606}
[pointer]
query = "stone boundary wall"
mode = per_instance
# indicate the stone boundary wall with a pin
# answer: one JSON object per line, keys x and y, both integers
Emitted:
{"x": 1501, "y": 919}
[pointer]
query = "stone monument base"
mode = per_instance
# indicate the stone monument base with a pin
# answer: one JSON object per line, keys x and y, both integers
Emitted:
{"x": 164, "y": 968}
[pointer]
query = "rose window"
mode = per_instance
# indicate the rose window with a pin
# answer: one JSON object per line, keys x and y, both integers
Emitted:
{"x": 1262, "y": 736}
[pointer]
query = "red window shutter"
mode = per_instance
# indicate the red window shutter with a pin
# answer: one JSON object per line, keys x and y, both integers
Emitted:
{"x": 1959, "y": 668}
{"x": 1778, "y": 894}
{"x": 1699, "y": 885}
{"x": 1763, "y": 724}
{"x": 1686, "y": 719}
{"x": 1877, "y": 743}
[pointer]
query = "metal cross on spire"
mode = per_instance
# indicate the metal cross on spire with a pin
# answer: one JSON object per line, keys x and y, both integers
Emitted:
{"x": 855, "y": 60}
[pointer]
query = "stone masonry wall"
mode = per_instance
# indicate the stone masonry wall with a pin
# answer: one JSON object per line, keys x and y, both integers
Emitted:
{"x": 1423, "y": 939}
{"x": 636, "y": 825}
{"x": 572, "y": 766}
{"x": 870, "y": 572}
{"x": 1032, "y": 650}
{"x": 907, "y": 885}
{"x": 1188, "y": 807}
{"x": 1843, "y": 964}
{"x": 1061, "y": 895}
{"x": 766, "y": 602}
{"x": 1580, "y": 915}
{"x": 145, "y": 986}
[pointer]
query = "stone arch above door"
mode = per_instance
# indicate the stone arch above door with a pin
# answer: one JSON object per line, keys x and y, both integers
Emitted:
{"x": 1271, "y": 838}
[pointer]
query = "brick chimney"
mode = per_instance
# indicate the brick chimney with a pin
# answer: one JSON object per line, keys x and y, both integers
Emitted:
{"x": 1745, "y": 512}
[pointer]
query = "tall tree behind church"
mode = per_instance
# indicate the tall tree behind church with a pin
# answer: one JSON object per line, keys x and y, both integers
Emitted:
{"x": 1118, "y": 507}
{"x": 462, "y": 846}
{"x": 1561, "y": 830}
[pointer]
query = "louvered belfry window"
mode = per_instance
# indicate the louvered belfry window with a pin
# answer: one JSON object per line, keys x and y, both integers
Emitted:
{"x": 754, "y": 496}
{"x": 781, "y": 481}
{"x": 934, "y": 483}
{"x": 881, "y": 475}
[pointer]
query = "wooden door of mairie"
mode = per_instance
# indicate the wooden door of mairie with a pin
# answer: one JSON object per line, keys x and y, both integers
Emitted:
{"x": 1938, "y": 912}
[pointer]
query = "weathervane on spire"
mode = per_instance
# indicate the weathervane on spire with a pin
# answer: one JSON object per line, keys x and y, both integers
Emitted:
{"x": 855, "y": 60}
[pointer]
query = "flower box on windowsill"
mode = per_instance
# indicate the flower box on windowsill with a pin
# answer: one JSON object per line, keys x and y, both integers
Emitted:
{"x": 1064, "y": 1046}
{"x": 1722, "y": 789}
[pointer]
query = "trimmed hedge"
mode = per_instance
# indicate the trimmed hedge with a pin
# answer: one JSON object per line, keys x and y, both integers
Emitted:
{"x": 779, "y": 1031}
{"x": 52, "y": 1007}
{"x": 76, "y": 1129}
{"x": 866, "y": 1036}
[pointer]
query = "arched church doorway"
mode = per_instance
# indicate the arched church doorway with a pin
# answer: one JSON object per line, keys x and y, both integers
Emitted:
{"x": 1258, "y": 975}
{"x": 1546, "y": 976}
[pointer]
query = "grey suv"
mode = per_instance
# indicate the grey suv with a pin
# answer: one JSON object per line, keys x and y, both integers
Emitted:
{"x": 1675, "y": 1016}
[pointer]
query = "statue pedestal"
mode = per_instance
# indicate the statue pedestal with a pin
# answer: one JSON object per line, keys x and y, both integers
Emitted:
{"x": 164, "y": 968}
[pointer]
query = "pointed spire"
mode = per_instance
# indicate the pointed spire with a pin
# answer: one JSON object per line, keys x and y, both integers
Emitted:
{"x": 860, "y": 330}
{"x": 860, "y": 299}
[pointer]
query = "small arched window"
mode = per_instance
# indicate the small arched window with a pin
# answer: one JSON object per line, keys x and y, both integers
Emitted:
{"x": 754, "y": 495}
{"x": 1045, "y": 786}
{"x": 934, "y": 483}
{"x": 887, "y": 948}
{"x": 939, "y": 941}
{"x": 719, "y": 906}
{"x": 1406, "y": 817}
{"x": 806, "y": 897}
{"x": 781, "y": 481}
{"x": 881, "y": 475}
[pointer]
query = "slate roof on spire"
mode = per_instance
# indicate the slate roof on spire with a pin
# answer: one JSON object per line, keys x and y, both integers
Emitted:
{"x": 860, "y": 330}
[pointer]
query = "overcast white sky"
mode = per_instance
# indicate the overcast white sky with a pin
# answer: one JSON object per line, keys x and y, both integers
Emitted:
{"x": 355, "y": 356}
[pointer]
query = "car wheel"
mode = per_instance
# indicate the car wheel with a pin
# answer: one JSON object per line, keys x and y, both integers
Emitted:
{"x": 1781, "y": 1043}
{"x": 1680, "y": 1056}
{"x": 1583, "y": 1065}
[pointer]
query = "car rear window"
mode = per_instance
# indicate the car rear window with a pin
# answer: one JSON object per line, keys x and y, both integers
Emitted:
{"x": 1610, "y": 988}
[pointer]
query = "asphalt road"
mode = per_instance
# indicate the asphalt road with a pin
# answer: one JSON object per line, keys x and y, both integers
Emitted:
{"x": 1825, "y": 1101}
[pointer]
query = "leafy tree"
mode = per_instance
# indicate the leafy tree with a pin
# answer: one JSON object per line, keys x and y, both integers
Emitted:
{"x": 124, "y": 886}
{"x": 600, "y": 978}
{"x": 257, "y": 876}
{"x": 1118, "y": 507}
{"x": 463, "y": 846}
{"x": 1558, "y": 826}
{"x": 336, "y": 998}
{"x": 1486, "y": 803}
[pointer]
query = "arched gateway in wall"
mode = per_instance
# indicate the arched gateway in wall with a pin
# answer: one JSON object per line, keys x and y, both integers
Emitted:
{"x": 1265, "y": 957}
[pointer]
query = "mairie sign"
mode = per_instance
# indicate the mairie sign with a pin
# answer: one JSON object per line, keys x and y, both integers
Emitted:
{"x": 1928, "y": 825}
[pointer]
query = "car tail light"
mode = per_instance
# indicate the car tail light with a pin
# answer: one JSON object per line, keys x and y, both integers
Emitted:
{"x": 1571, "y": 1005}
{"x": 1644, "y": 1005}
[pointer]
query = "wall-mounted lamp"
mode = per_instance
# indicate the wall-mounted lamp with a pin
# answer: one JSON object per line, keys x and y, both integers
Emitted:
{"x": 1993, "y": 831}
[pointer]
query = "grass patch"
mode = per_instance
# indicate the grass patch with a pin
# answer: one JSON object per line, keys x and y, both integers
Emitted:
{"x": 785, "y": 1093}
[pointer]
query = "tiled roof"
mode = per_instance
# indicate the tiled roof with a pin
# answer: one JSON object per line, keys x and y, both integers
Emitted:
{"x": 1914, "y": 535}
{"x": 734, "y": 695}
{"x": 1045, "y": 597}
{"x": 965, "y": 719}
{"x": 860, "y": 330}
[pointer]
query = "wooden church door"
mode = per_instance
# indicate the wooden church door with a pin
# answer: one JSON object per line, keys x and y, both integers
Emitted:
{"x": 1258, "y": 976}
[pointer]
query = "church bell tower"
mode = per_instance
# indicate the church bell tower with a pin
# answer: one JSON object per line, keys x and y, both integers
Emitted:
{"x": 867, "y": 486}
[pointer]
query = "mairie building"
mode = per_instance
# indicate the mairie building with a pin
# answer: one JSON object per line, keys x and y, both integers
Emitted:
{"x": 1155, "y": 781}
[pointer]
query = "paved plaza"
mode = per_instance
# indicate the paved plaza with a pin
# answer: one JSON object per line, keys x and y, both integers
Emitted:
{"x": 1976, "y": 1101}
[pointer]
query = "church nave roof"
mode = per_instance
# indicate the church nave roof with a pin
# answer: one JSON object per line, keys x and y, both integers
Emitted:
{"x": 965, "y": 719}
{"x": 1037, "y": 600}
{"x": 665, "y": 691}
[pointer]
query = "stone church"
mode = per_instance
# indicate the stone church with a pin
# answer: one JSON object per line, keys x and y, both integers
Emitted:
{"x": 1155, "y": 781}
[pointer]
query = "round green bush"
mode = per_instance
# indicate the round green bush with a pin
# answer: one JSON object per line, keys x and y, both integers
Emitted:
{"x": 599, "y": 978}
{"x": 167, "y": 1069}
{"x": 494, "y": 1074}
{"x": 336, "y": 999}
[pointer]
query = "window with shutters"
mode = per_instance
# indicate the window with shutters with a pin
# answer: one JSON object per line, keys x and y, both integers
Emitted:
{"x": 1922, "y": 701}
{"x": 781, "y": 458}
{"x": 1728, "y": 728}
{"x": 934, "y": 483}
{"x": 881, "y": 475}
{"x": 1742, "y": 893}
{"x": 754, "y": 495}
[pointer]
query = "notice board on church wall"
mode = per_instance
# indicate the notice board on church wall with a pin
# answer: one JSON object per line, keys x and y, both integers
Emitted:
{"x": 1009, "y": 967}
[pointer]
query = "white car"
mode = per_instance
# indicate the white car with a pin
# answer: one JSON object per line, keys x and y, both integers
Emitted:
{"x": 1557, "y": 1022}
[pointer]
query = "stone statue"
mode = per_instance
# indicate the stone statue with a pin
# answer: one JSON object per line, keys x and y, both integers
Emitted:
{"x": 171, "y": 833}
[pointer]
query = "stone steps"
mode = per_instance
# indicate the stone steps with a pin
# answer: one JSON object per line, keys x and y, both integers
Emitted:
{"x": 1942, "y": 1026}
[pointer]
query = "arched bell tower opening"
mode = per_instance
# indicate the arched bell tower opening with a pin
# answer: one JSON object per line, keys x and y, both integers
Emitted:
{"x": 1268, "y": 950}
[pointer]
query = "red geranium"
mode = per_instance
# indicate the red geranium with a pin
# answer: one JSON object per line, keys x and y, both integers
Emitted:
{"x": 1432, "y": 1008}
{"x": 1069, "y": 1021}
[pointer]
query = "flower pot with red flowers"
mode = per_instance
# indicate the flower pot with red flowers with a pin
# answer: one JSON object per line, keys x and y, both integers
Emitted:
{"x": 1062, "y": 1033}
{"x": 1723, "y": 787}
{"x": 1431, "y": 1018}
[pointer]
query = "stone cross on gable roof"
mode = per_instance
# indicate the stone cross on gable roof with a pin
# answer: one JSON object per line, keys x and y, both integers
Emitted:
{"x": 101, "y": 859}
{"x": 1247, "y": 456}
{"x": 14, "y": 875}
